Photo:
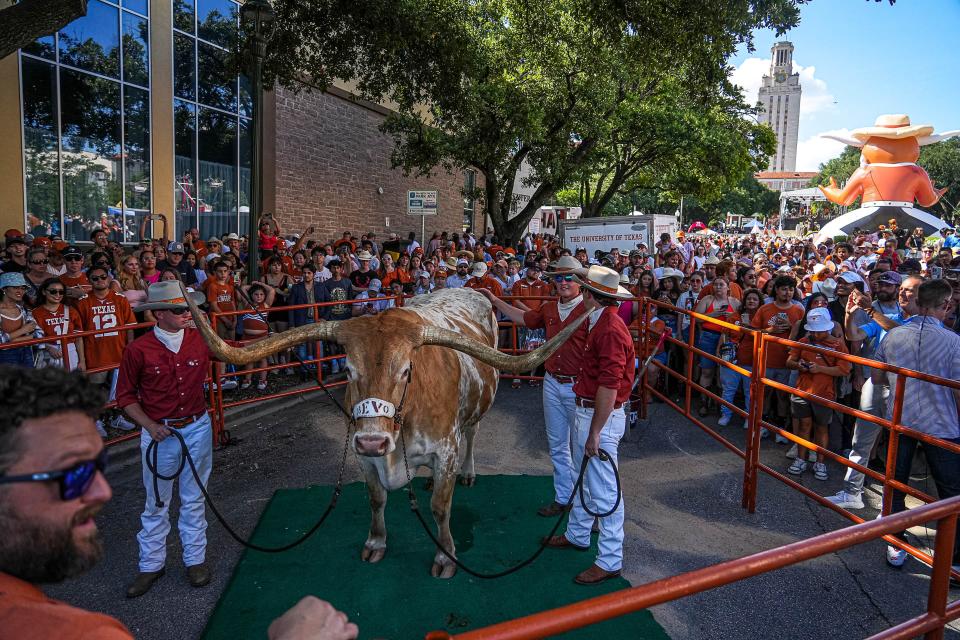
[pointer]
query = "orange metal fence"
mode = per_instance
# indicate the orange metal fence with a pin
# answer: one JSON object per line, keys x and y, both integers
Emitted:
{"x": 625, "y": 601}
{"x": 931, "y": 623}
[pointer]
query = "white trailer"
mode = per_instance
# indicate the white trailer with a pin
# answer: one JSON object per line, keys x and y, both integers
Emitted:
{"x": 621, "y": 232}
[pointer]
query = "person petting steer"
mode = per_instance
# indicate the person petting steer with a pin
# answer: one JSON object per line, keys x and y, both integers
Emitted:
{"x": 559, "y": 407}
{"x": 160, "y": 386}
{"x": 604, "y": 381}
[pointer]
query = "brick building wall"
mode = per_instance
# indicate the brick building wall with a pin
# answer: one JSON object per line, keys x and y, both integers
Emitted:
{"x": 330, "y": 159}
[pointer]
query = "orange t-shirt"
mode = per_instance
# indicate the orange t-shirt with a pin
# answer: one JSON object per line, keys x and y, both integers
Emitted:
{"x": 523, "y": 287}
{"x": 113, "y": 310}
{"x": 820, "y": 384}
{"x": 224, "y": 295}
{"x": 27, "y": 613}
{"x": 486, "y": 282}
{"x": 54, "y": 323}
{"x": 777, "y": 353}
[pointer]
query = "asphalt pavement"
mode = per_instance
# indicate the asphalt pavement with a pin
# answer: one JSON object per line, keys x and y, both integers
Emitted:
{"x": 682, "y": 496}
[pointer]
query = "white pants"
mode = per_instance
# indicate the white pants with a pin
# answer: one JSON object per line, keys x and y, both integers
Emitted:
{"x": 600, "y": 490}
{"x": 559, "y": 410}
{"x": 192, "y": 522}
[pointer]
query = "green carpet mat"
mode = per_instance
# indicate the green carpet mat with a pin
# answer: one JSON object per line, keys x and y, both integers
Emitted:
{"x": 494, "y": 526}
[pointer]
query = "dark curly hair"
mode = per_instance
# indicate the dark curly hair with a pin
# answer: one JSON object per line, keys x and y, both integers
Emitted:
{"x": 27, "y": 394}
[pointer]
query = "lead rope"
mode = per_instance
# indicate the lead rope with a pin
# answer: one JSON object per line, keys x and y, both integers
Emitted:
{"x": 415, "y": 507}
{"x": 151, "y": 459}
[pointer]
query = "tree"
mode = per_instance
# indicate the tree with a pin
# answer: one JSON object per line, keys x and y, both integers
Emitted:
{"x": 27, "y": 20}
{"x": 495, "y": 83}
{"x": 676, "y": 145}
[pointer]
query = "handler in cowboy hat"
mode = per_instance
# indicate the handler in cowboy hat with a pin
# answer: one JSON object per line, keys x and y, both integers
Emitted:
{"x": 559, "y": 401}
{"x": 603, "y": 385}
{"x": 160, "y": 386}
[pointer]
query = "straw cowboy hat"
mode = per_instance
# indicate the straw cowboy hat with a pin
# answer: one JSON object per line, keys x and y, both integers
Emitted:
{"x": 603, "y": 281}
{"x": 895, "y": 127}
{"x": 169, "y": 294}
{"x": 566, "y": 264}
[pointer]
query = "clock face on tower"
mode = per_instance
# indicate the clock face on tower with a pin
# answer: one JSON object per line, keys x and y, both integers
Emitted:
{"x": 780, "y": 77}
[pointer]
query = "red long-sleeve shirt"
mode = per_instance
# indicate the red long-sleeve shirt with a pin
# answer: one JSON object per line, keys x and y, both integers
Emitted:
{"x": 607, "y": 359}
{"x": 166, "y": 384}
{"x": 566, "y": 360}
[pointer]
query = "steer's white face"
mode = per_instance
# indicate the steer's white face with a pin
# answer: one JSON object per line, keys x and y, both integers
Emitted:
{"x": 378, "y": 367}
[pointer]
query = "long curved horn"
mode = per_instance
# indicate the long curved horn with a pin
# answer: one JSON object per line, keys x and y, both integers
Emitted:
{"x": 259, "y": 350}
{"x": 497, "y": 359}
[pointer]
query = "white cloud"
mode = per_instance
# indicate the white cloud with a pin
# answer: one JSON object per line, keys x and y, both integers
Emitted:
{"x": 816, "y": 96}
{"x": 814, "y": 151}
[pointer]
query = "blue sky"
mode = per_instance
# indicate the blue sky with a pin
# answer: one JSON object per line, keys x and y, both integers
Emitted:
{"x": 860, "y": 59}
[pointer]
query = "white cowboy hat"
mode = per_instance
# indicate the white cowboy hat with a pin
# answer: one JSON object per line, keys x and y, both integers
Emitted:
{"x": 169, "y": 294}
{"x": 566, "y": 264}
{"x": 603, "y": 281}
{"x": 893, "y": 126}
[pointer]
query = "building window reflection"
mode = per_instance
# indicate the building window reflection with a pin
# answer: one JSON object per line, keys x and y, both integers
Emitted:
{"x": 212, "y": 107}
{"x": 86, "y": 124}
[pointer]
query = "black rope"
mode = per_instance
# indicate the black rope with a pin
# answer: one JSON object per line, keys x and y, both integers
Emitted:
{"x": 415, "y": 507}
{"x": 151, "y": 459}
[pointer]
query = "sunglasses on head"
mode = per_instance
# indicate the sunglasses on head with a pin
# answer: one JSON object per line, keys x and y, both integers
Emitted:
{"x": 74, "y": 482}
{"x": 566, "y": 278}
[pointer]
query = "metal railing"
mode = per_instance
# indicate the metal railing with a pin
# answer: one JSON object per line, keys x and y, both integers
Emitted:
{"x": 620, "y": 603}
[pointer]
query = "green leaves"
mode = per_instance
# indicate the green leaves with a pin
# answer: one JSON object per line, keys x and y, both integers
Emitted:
{"x": 566, "y": 86}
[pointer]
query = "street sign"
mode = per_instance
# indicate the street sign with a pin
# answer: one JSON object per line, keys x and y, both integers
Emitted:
{"x": 421, "y": 203}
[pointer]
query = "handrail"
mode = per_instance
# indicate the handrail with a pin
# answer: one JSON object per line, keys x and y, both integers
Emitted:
{"x": 619, "y": 603}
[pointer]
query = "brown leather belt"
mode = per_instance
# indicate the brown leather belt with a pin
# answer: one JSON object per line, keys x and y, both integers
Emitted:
{"x": 563, "y": 379}
{"x": 590, "y": 404}
{"x": 180, "y": 423}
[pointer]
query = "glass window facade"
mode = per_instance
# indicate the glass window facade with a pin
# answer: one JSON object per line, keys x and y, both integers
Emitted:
{"x": 212, "y": 107}
{"x": 86, "y": 124}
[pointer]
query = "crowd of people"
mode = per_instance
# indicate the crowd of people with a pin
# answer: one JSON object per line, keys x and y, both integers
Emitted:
{"x": 883, "y": 295}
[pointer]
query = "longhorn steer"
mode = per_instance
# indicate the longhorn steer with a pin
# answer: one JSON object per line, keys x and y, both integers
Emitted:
{"x": 437, "y": 355}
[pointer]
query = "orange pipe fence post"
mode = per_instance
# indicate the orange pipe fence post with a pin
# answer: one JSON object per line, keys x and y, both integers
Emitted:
{"x": 893, "y": 445}
{"x": 940, "y": 578}
{"x": 751, "y": 460}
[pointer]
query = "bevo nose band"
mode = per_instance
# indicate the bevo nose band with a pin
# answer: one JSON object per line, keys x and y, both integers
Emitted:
{"x": 374, "y": 408}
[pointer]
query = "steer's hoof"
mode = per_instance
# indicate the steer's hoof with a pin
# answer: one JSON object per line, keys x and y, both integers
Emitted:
{"x": 468, "y": 480}
{"x": 444, "y": 570}
{"x": 372, "y": 555}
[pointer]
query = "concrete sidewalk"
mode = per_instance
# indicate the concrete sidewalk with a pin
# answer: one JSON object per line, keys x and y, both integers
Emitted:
{"x": 682, "y": 493}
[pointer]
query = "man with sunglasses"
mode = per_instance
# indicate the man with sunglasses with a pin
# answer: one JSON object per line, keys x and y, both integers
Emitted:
{"x": 559, "y": 406}
{"x": 103, "y": 309}
{"x": 74, "y": 278}
{"x": 160, "y": 386}
{"x": 52, "y": 486}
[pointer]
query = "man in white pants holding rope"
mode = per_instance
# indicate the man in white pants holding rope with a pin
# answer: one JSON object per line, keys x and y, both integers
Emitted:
{"x": 603, "y": 385}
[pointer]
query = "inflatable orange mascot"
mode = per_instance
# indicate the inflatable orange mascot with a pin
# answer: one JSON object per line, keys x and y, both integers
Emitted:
{"x": 889, "y": 179}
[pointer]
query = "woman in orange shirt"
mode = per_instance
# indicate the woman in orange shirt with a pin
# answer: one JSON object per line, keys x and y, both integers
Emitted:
{"x": 719, "y": 304}
{"x": 403, "y": 273}
{"x": 56, "y": 319}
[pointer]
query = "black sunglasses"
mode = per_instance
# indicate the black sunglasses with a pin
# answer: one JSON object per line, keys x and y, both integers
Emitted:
{"x": 97, "y": 278}
{"x": 39, "y": 262}
{"x": 566, "y": 278}
{"x": 55, "y": 292}
{"x": 74, "y": 482}
{"x": 178, "y": 312}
